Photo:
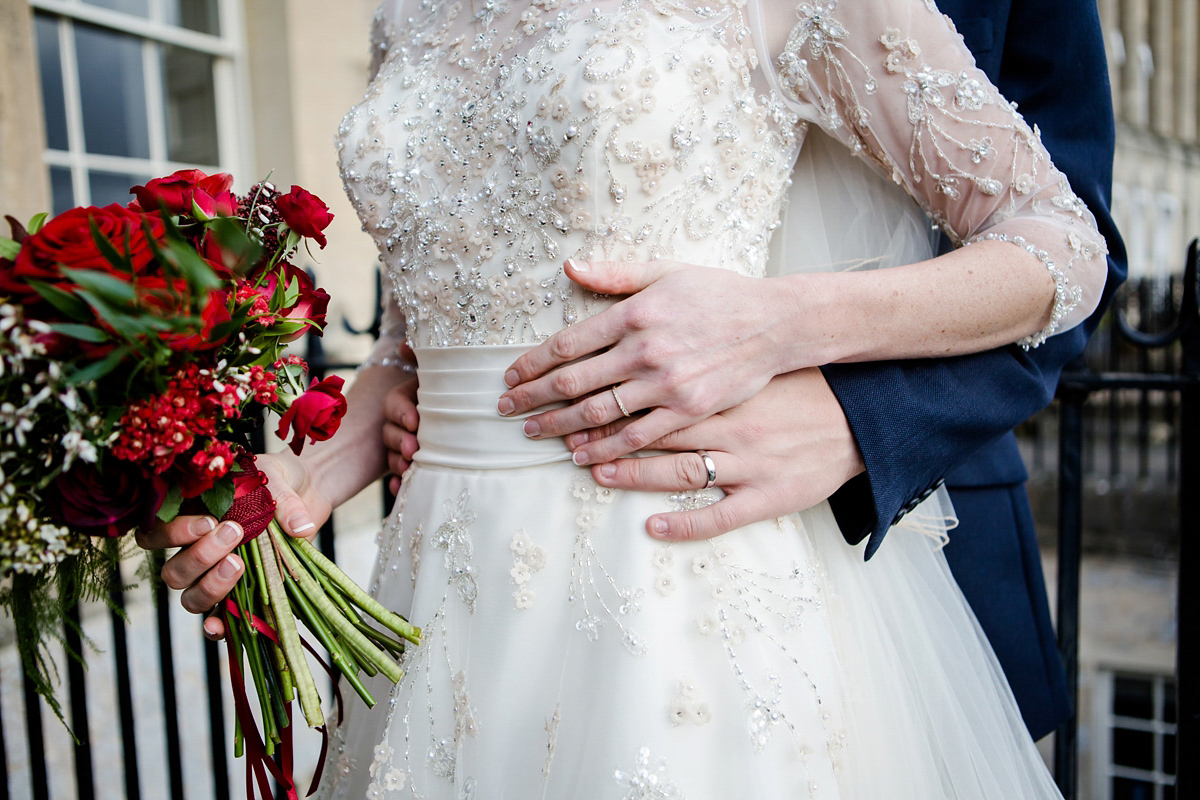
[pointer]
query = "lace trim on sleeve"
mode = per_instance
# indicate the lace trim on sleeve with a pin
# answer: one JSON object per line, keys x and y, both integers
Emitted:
{"x": 945, "y": 134}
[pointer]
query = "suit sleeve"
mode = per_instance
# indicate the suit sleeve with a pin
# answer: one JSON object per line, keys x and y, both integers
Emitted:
{"x": 917, "y": 420}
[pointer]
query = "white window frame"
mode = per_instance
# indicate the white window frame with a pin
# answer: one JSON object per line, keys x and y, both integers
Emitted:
{"x": 1103, "y": 722}
{"x": 234, "y": 133}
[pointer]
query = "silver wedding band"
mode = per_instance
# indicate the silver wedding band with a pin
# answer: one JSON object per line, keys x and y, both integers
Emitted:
{"x": 709, "y": 465}
{"x": 617, "y": 397}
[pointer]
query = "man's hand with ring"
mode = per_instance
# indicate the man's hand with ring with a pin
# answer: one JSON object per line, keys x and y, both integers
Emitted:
{"x": 784, "y": 450}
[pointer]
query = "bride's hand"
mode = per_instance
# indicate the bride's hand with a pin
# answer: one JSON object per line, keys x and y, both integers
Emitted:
{"x": 205, "y": 567}
{"x": 400, "y": 429}
{"x": 784, "y": 450}
{"x": 689, "y": 342}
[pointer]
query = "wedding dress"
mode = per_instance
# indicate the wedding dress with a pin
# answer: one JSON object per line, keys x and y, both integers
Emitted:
{"x": 566, "y": 654}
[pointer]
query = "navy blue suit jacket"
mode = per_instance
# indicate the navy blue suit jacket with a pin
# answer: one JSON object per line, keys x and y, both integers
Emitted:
{"x": 922, "y": 422}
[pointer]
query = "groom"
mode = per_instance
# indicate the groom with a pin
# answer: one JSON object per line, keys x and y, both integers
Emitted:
{"x": 877, "y": 438}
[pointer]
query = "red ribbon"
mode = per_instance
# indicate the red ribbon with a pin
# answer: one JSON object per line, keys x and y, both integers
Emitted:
{"x": 258, "y": 764}
{"x": 253, "y": 506}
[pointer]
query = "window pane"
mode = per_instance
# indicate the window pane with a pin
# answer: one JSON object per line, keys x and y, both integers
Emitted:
{"x": 50, "y": 66}
{"x": 196, "y": 15}
{"x": 1125, "y": 789}
{"x": 113, "y": 187}
{"x": 1169, "y": 754}
{"x": 112, "y": 87}
{"x": 190, "y": 105}
{"x": 1168, "y": 709}
{"x": 1133, "y": 697}
{"x": 1133, "y": 748}
{"x": 62, "y": 196}
{"x": 140, "y": 8}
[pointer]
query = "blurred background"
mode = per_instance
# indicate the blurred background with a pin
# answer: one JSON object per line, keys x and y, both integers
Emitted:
{"x": 99, "y": 95}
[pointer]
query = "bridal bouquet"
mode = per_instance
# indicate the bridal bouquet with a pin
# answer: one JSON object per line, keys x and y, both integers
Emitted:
{"x": 139, "y": 347}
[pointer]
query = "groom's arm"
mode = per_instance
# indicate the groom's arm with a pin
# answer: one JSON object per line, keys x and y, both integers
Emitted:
{"x": 914, "y": 421}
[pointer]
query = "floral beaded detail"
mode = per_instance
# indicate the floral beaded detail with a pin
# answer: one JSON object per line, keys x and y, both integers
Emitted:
{"x": 528, "y": 558}
{"x": 647, "y": 780}
{"x": 970, "y": 160}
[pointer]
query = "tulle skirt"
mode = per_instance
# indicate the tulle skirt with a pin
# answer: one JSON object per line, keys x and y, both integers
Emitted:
{"x": 566, "y": 654}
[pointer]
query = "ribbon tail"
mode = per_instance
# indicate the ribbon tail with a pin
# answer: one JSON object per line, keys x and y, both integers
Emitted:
{"x": 316, "y": 781}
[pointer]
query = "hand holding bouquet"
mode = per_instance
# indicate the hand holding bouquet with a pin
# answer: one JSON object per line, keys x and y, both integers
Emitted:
{"x": 139, "y": 347}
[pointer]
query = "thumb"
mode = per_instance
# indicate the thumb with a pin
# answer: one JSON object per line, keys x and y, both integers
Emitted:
{"x": 617, "y": 277}
{"x": 290, "y": 510}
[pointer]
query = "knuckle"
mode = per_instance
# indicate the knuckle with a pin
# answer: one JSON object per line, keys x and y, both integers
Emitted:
{"x": 687, "y": 471}
{"x": 641, "y": 316}
{"x": 594, "y": 413}
{"x": 636, "y": 437}
{"x": 724, "y": 517}
{"x": 566, "y": 383}
{"x": 563, "y": 345}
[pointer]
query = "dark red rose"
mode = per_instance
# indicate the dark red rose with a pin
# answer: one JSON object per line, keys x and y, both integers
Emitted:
{"x": 108, "y": 503}
{"x": 67, "y": 240}
{"x": 179, "y": 190}
{"x": 316, "y": 414}
{"x": 312, "y": 304}
{"x": 304, "y": 213}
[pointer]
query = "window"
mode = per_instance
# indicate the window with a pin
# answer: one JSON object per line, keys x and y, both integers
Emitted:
{"x": 1141, "y": 733}
{"x": 134, "y": 89}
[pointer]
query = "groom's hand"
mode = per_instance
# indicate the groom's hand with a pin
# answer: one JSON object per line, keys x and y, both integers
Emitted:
{"x": 689, "y": 342}
{"x": 786, "y": 449}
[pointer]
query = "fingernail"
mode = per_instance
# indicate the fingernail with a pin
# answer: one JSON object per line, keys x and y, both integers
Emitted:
{"x": 511, "y": 378}
{"x": 228, "y": 567}
{"x": 531, "y": 428}
{"x": 608, "y": 470}
{"x": 580, "y": 458}
{"x": 229, "y": 534}
{"x": 301, "y": 523}
{"x": 210, "y": 627}
{"x": 578, "y": 266}
{"x": 201, "y": 526}
{"x": 573, "y": 440}
{"x": 505, "y": 406}
{"x": 658, "y": 527}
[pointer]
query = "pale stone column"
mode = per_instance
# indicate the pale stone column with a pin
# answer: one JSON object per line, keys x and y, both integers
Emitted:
{"x": 1133, "y": 95}
{"x": 1162, "y": 83}
{"x": 1187, "y": 69}
{"x": 24, "y": 186}
{"x": 268, "y": 65}
{"x": 328, "y": 59}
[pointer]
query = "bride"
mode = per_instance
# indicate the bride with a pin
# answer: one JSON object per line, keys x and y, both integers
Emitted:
{"x": 567, "y": 654}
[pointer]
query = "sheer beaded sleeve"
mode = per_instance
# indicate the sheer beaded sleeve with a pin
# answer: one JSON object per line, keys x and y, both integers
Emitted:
{"x": 894, "y": 82}
{"x": 389, "y": 350}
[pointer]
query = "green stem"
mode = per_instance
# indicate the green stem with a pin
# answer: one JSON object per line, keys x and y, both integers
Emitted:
{"x": 289, "y": 637}
{"x": 247, "y": 641}
{"x": 281, "y": 665}
{"x": 389, "y": 620}
{"x": 342, "y": 659}
{"x": 334, "y": 618}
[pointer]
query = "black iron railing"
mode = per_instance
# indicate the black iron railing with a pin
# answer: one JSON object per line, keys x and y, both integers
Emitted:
{"x": 1155, "y": 367}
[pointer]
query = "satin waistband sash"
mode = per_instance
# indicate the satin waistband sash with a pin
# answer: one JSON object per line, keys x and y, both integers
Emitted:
{"x": 460, "y": 427}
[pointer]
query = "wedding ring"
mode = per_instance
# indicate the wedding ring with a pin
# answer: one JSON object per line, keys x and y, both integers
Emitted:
{"x": 620, "y": 405}
{"x": 709, "y": 465}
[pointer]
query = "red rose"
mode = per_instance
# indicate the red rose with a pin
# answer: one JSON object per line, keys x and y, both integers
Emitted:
{"x": 107, "y": 503}
{"x": 179, "y": 190}
{"x": 67, "y": 240}
{"x": 312, "y": 304}
{"x": 304, "y": 213}
{"x": 316, "y": 414}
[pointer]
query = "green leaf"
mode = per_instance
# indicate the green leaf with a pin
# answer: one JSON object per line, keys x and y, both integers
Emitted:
{"x": 86, "y": 333}
{"x": 292, "y": 294}
{"x": 110, "y": 288}
{"x": 9, "y": 248}
{"x": 107, "y": 249}
{"x": 170, "y": 505}
{"x": 286, "y": 327}
{"x": 64, "y": 301}
{"x": 98, "y": 369}
{"x": 235, "y": 241}
{"x": 37, "y": 222}
{"x": 196, "y": 271}
{"x": 219, "y": 498}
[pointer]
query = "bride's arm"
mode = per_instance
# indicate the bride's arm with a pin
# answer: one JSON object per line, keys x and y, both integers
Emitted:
{"x": 693, "y": 341}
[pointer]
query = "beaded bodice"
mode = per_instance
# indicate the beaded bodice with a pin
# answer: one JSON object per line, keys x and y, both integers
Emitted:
{"x": 499, "y": 138}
